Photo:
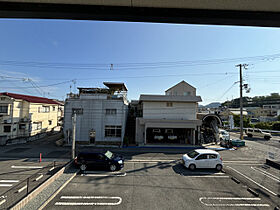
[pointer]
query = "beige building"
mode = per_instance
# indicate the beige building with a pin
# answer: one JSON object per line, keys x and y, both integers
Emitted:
{"x": 169, "y": 118}
{"x": 24, "y": 116}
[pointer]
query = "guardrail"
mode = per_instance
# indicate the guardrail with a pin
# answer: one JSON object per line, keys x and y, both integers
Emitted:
{"x": 23, "y": 188}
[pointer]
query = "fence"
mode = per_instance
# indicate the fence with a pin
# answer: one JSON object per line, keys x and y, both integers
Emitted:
{"x": 23, "y": 188}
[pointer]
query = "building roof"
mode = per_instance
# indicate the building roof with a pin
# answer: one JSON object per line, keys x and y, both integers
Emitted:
{"x": 33, "y": 99}
{"x": 118, "y": 86}
{"x": 170, "y": 98}
{"x": 184, "y": 82}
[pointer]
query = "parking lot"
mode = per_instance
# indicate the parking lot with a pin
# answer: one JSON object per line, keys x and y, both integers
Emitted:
{"x": 158, "y": 185}
{"x": 19, "y": 176}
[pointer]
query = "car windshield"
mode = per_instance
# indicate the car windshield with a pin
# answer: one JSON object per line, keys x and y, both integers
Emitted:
{"x": 109, "y": 154}
{"x": 193, "y": 154}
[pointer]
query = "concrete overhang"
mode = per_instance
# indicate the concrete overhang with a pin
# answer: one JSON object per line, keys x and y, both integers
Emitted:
{"x": 220, "y": 12}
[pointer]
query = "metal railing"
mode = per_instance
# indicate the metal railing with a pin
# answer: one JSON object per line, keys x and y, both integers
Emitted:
{"x": 17, "y": 192}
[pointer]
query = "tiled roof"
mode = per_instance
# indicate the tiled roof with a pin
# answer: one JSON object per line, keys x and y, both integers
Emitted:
{"x": 33, "y": 99}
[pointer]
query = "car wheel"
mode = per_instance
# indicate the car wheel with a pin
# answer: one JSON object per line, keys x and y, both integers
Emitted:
{"x": 266, "y": 137}
{"x": 192, "y": 167}
{"x": 83, "y": 167}
{"x": 219, "y": 167}
{"x": 250, "y": 135}
{"x": 113, "y": 167}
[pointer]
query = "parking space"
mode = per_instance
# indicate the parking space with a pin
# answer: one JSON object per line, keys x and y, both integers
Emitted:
{"x": 15, "y": 171}
{"x": 20, "y": 176}
{"x": 263, "y": 176}
{"x": 155, "y": 185}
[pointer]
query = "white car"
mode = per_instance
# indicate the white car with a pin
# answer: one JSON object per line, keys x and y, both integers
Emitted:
{"x": 223, "y": 135}
{"x": 202, "y": 158}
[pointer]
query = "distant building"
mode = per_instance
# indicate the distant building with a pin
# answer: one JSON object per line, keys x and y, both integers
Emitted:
{"x": 101, "y": 114}
{"x": 169, "y": 118}
{"x": 24, "y": 115}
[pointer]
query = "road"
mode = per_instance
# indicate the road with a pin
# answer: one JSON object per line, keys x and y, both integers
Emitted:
{"x": 274, "y": 141}
{"x": 155, "y": 179}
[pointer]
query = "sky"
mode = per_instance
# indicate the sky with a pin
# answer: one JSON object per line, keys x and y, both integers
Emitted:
{"x": 148, "y": 57}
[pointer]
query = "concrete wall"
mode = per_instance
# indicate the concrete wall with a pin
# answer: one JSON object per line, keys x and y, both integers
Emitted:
{"x": 178, "y": 111}
{"x": 94, "y": 117}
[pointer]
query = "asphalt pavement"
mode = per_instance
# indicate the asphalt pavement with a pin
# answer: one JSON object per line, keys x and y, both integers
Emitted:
{"x": 157, "y": 185}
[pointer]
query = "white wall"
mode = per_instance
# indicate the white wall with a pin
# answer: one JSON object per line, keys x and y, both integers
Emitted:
{"x": 179, "y": 110}
{"x": 94, "y": 117}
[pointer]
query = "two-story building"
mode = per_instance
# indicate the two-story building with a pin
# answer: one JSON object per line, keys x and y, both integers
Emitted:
{"x": 24, "y": 115}
{"x": 101, "y": 114}
{"x": 169, "y": 118}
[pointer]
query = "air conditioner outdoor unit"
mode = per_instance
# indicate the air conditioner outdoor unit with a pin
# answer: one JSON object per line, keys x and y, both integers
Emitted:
{"x": 8, "y": 121}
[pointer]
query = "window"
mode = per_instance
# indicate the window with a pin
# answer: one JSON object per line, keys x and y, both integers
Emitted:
{"x": 37, "y": 126}
{"x": 187, "y": 93}
{"x": 111, "y": 111}
{"x": 212, "y": 156}
{"x": 22, "y": 126}
{"x": 202, "y": 157}
{"x": 44, "y": 109}
{"x": 168, "y": 130}
{"x": 7, "y": 128}
{"x": 50, "y": 122}
{"x": 113, "y": 131}
{"x": 169, "y": 104}
{"x": 2, "y": 99}
{"x": 53, "y": 108}
{"x": 193, "y": 154}
{"x": 77, "y": 110}
{"x": 4, "y": 109}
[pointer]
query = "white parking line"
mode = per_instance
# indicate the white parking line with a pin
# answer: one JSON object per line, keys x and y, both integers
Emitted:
{"x": 6, "y": 185}
{"x": 8, "y": 181}
{"x": 100, "y": 175}
{"x": 21, "y": 189}
{"x": 148, "y": 161}
{"x": 89, "y": 203}
{"x": 271, "y": 176}
{"x": 3, "y": 201}
{"x": 233, "y": 204}
{"x": 208, "y": 176}
{"x": 39, "y": 177}
{"x": 273, "y": 193}
{"x": 26, "y": 166}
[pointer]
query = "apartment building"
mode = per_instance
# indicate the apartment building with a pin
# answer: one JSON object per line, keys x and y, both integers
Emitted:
{"x": 24, "y": 115}
{"x": 169, "y": 118}
{"x": 101, "y": 114}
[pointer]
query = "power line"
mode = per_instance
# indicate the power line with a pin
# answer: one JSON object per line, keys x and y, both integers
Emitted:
{"x": 130, "y": 66}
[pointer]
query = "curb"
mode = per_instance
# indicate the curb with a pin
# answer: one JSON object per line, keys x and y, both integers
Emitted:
{"x": 40, "y": 188}
{"x": 56, "y": 192}
{"x": 253, "y": 192}
{"x": 273, "y": 163}
{"x": 235, "y": 180}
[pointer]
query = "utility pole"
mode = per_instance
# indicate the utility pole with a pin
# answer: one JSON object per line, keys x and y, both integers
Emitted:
{"x": 241, "y": 97}
{"x": 74, "y": 119}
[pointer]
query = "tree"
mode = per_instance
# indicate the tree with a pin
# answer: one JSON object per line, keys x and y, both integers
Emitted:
{"x": 246, "y": 121}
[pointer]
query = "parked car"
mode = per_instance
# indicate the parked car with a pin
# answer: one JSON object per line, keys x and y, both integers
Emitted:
{"x": 202, "y": 158}
{"x": 223, "y": 135}
{"x": 256, "y": 132}
{"x": 107, "y": 160}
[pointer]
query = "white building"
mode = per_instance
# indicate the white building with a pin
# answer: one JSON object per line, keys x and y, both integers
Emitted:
{"x": 101, "y": 114}
{"x": 169, "y": 118}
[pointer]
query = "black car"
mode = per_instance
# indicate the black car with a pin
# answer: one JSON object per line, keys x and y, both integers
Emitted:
{"x": 105, "y": 159}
